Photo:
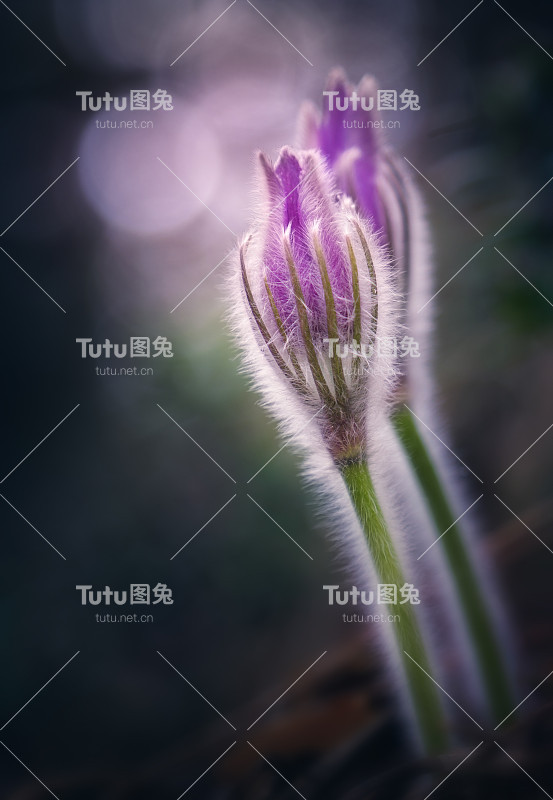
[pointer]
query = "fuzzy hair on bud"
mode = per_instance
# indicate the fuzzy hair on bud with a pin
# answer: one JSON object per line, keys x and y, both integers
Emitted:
{"x": 367, "y": 170}
{"x": 315, "y": 305}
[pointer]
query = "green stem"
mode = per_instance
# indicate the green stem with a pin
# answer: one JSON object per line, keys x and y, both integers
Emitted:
{"x": 472, "y": 600}
{"x": 423, "y": 692}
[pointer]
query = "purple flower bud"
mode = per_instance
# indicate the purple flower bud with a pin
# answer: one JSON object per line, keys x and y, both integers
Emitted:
{"x": 316, "y": 288}
{"x": 365, "y": 167}
{"x": 303, "y": 222}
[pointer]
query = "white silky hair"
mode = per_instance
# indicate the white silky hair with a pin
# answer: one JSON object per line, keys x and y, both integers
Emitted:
{"x": 400, "y": 495}
{"x": 299, "y": 420}
{"x": 427, "y": 403}
{"x": 317, "y": 190}
{"x": 423, "y": 400}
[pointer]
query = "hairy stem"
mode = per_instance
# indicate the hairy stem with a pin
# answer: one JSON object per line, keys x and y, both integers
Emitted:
{"x": 423, "y": 692}
{"x": 472, "y": 600}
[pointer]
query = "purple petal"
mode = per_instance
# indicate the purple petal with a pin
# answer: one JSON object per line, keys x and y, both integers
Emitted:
{"x": 340, "y": 132}
{"x": 301, "y": 200}
{"x": 332, "y": 134}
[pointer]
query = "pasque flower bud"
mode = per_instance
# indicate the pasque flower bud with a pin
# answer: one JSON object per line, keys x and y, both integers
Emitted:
{"x": 366, "y": 169}
{"x": 312, "y": 271}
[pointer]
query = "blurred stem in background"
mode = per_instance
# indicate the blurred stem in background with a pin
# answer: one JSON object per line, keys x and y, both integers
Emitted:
{"x": 393, "y": 206}
{"x": 477, "y": 615}
{"x": 422, "y": 690}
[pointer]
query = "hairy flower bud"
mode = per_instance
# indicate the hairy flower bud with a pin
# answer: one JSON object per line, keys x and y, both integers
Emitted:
{"x": 316, "y": 287}
{"x": 366, "y": 169}
{"x": 316, "y": 301}
{"x": 369, "y": 172}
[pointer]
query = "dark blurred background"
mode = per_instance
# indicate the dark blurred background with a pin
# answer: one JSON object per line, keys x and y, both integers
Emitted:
{"x": 118, "y": 242}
